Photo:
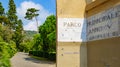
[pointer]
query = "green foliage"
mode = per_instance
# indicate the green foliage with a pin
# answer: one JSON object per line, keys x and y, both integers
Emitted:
{"x": 11, "y": 33}
{"x": 52, "y": 56}
{"x": 38, "y": 42}
{"x": 6, "y": 33}
{"x": 3, "y": 18}
{"x": 24, "y": 47}
{"x": 52, "y": 41}
{"x": 4, "y": 21}
{"x": 44, "y": 43}
{"x": 31, "y": 13}
{"x": 12, "y": 12}
{"x": 49, "y": 56}
{"x": 1, "y": 39}
{"x": 1, "y": 9}
{"x": 18, "y": 34}
{"x": 13, "y": 48}
{"x": 6, "y": 53}
{"x": 15, "y": 24}
{"x": 7, "y": 47}
{"x": 47, "y": 32}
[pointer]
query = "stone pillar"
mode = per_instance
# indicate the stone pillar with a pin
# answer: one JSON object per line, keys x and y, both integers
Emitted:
{"x": 71, "y": 33}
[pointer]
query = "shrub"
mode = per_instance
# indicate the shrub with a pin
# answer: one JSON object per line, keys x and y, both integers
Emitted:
{"x": 1, "y": 39}
{"x": 6, "y": 52}
{"x": 24, "y": 47}
{"x": 4, "y": 55}
{"x": 50, "y": 56}
{"x": 13, "y": 48}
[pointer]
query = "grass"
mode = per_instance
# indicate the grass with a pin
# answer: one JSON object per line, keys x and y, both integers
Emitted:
{"x": 39, "y": 58}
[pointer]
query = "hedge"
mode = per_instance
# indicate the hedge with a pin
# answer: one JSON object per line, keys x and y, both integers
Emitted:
{"x": 49, "y": 56}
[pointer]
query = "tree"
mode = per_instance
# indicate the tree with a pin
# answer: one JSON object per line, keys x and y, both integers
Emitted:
{"x": 47, "y": 32}
{"x": 2, "y": 13}
{"x": 4, "y": 21}
{"x": 32, "y": 13}
{"x": 38, "y": 42}
{"x": 44, "y": 43}
{"x": 7, "y": 46}
{"x": 16, "y": 24}
{"x": 52, "y": 41}
{"x": 18, "y": 36}
{"x": 1, "y": 10}
{"x": 12, "y": 14}
{"x": 5, "y": 31}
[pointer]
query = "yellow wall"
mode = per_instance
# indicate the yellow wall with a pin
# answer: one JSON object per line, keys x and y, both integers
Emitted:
{"x": 105, "y": 52}
{"x": 68, "y": 53}
{"x": 71, "y": 8}
{"x": 71, "y": 54}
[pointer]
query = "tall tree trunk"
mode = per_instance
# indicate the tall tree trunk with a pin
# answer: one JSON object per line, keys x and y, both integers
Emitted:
{"x": 37, "y": 24}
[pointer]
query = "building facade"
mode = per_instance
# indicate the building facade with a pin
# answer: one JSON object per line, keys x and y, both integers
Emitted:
{"x": 88, "y": 33}
{"x": 103, "y": 31}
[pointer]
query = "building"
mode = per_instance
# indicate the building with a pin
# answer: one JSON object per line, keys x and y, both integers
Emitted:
{"x": 88, "y": 33}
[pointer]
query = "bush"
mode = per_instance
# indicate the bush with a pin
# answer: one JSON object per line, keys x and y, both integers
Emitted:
{"x": 6, "y": 52}
{"x": 13, "y": 48}
{"x": 36, "y": 53}
{"x": 24, "y": 47}
{"x": 4, "y": 55}
{"x": 49, "y": 56}
{"x": 52, "y": 56}
{"x": 1, "y": 39}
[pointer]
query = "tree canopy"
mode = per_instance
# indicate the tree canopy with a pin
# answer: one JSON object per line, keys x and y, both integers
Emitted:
{"x": 1, "y": 10}
{"x": 31, "y": 13}
{"x": 47, "y": 32}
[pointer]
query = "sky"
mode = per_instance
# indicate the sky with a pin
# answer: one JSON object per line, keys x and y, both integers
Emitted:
{"x": 46, "y": 8}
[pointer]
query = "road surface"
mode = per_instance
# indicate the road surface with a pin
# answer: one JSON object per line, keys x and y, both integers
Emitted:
{"x": 23, "y": 60}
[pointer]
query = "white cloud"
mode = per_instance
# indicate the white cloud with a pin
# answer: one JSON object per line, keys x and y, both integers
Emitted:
{"x": 31, "y": 25}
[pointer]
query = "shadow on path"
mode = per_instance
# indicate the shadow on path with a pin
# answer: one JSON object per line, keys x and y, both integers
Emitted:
{"x": 23, "y": 60}
{"x": 38, "y": 61}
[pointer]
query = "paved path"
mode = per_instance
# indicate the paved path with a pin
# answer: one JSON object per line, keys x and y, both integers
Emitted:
{"x": 23, "y": 60}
